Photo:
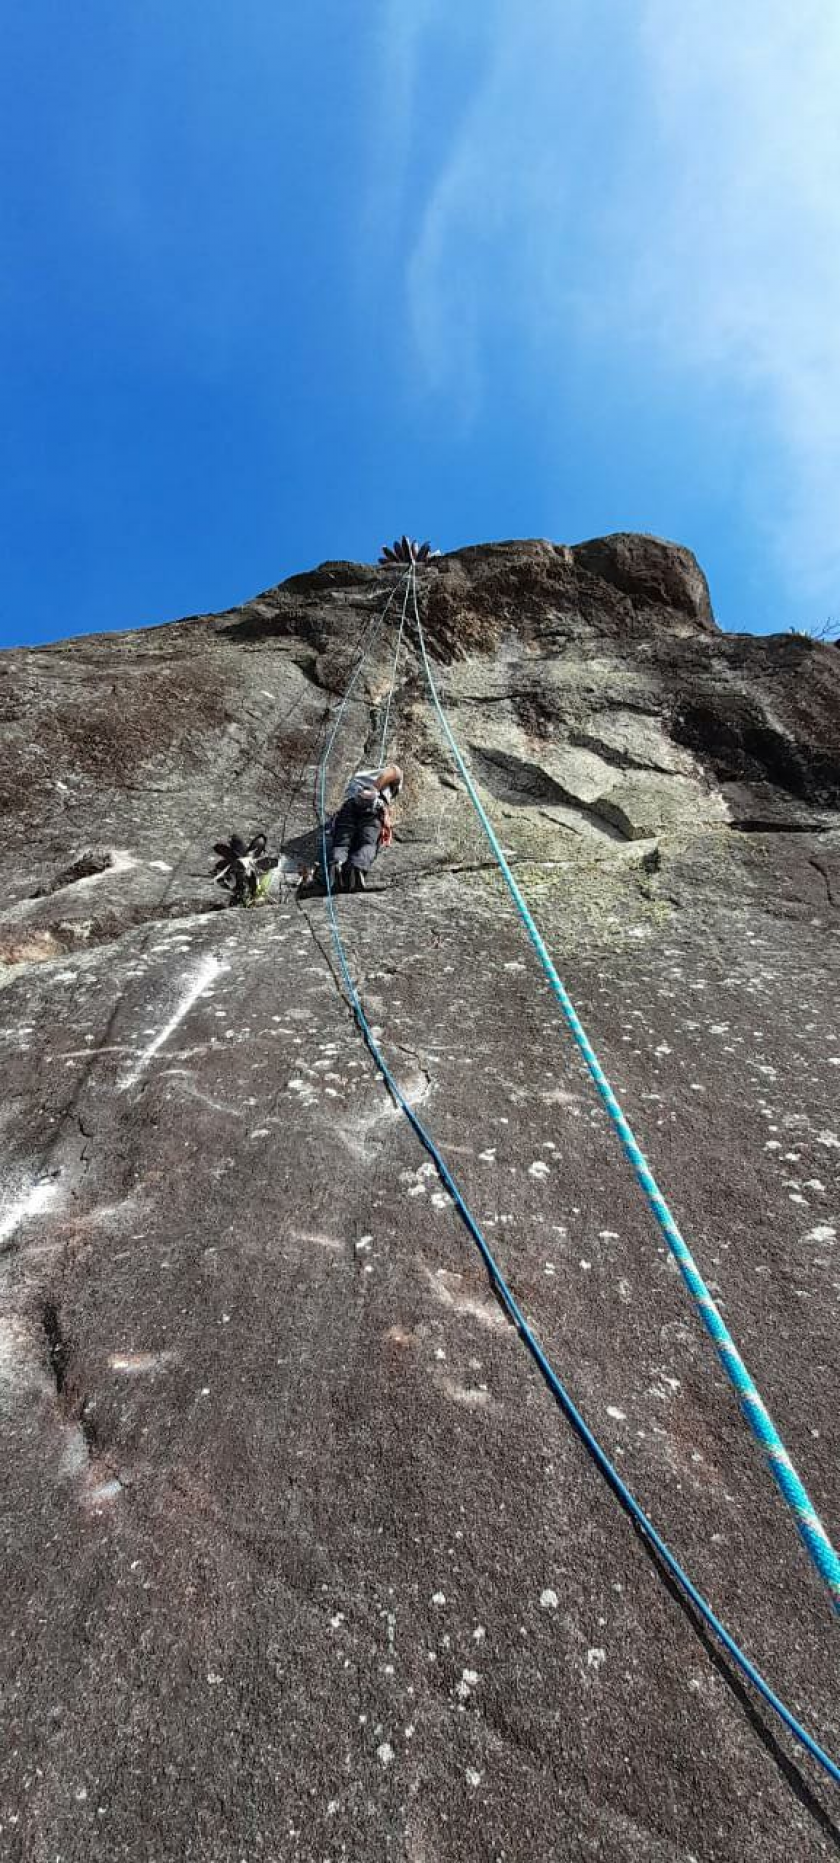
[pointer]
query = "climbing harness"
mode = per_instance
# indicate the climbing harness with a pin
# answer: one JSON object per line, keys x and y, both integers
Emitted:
{"x": 810, "y": 1527}
{"x": 566, "y": 1404}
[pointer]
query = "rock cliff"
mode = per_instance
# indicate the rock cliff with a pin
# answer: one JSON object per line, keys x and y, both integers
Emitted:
{"x": 300, "y": 1561}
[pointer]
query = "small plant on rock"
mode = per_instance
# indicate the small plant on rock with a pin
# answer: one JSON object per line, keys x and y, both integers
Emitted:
{"x": 828, "y": 631}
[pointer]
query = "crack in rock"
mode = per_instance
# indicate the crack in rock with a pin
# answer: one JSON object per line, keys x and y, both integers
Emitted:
{"x": 823, "y": 871}
{"x": 528, "y": 785}
{"x": 43, "y": 944}
{"x": 74, "y": 1409}
{"x": 87, "y": 866}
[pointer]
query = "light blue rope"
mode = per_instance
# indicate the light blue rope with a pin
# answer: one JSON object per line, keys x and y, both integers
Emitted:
{"x": 623, "y": 1494}
{"x": 809, "y": 1525}
{"x": 366, "y": 644}
{"x": 387, "y": 720}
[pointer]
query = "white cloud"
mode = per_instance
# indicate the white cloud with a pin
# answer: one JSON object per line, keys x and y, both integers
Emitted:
{"x": 667, "y": 187}
{"x": 488, "y": 239}
{"x": 744, "y": 278}
{"x": 399, "y": 63}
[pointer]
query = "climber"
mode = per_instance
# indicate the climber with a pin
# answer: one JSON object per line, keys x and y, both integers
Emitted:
{"x": 362, "y": 826}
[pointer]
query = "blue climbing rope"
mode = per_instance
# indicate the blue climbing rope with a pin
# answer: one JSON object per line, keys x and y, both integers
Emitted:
{"x": 566, "y": 1404}
{"x": 809, "y": 1525}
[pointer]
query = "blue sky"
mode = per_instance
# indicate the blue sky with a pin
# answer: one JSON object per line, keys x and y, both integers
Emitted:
{"x": 279, "y": 282}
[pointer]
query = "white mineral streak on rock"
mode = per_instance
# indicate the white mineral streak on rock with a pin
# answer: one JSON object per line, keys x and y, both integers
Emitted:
{"x": 106, "y": 1491}
{"x": 204, "y": 976}
{"x": 137, "y": 1361}
{"x": 33, "y": 1203}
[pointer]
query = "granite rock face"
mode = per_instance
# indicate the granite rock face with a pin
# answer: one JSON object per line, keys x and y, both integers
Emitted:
{"x": 652, "y": 572}
{"x": 299, "y": 1559}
